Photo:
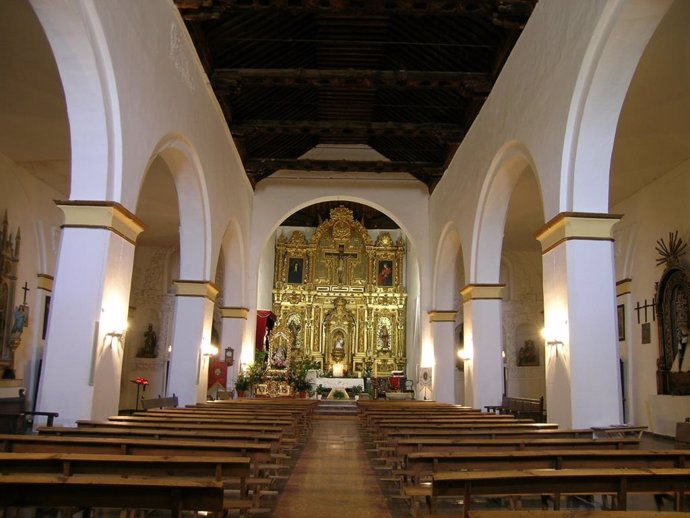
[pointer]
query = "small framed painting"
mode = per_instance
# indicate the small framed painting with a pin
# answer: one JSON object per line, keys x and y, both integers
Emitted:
{"x": 621, "y": 322}
{"x": 296, "y": 270}
{"x": 385, "y": 273}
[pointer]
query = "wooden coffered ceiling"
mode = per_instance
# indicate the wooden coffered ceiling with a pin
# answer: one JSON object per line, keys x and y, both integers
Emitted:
{"x": 404, "y": 77}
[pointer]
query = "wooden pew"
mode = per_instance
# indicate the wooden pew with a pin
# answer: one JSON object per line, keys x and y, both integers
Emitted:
{"x": 111, "y": 491}
{"x": 14, "y": 418}
{"x": 405, "y": 446}
{"x": 556, "y": 483}
{"x": 157, "y": 433}
{"x": 424, "y": 463}
{"x": 159, "y": 402}
{"x": 520, "y": 407}
{"x": 232, "y": 471}
{"x": 393, "y": 458}
{"x": 261, "y": 454}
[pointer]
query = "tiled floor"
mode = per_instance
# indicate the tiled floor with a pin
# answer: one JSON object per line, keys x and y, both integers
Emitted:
{"x": 333, "y": 477}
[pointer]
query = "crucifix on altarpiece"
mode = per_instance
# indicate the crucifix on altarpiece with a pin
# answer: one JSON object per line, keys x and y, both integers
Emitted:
{"x": 342, "y": 257}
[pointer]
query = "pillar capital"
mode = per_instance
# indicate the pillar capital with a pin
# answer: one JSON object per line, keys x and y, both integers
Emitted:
{"x": 187, "y": 288}
{"x": 590, "y": 226}
{"x": 623, "y": 287}
{"x": 439, "y": 315}
{"x": 229, "y": 312}
{"x": 106, "y": 215}
{"x": 482, "y": 292}
{"x": 44, "y": 282}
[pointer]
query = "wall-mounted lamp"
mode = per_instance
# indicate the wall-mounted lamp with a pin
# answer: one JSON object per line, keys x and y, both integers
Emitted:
{"x": 550, "y": 341}
{"x": 229, "y": 356}
{"x": 208, "y": 349}
{"x": 464, "y": 354}
{"x": 116, "y": 335}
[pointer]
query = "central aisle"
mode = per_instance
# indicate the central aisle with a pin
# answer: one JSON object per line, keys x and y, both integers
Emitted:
{"x": 332, "y": 476}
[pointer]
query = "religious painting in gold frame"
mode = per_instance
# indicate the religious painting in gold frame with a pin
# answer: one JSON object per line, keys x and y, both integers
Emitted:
{"x": 296, "y": 270}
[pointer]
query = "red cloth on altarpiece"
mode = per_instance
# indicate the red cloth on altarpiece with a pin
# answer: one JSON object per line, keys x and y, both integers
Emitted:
{"x": 262, "y": 318}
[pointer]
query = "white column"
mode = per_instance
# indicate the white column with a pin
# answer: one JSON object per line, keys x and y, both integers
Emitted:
{"x": 483, "y": 339}
{"x": 88, "y": 315}
{"x": 582, "y": 379}
{"x": 191, "y": 333}
{"x": 443, "y": 332}
{"x": 234, "y": 322}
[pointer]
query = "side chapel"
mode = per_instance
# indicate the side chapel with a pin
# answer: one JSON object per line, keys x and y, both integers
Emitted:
{"x": 341, "y": 296}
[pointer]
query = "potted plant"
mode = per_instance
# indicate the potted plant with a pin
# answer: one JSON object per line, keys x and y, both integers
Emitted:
{"x": 356, "y": 391}
{"x": 297, "y": 376}
{"x": 242, "y": 384}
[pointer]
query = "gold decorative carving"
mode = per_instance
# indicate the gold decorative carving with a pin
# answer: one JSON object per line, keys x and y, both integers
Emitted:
{"x": 340, "y": 309}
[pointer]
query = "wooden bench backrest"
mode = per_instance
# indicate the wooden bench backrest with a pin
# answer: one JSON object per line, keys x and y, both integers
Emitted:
{"x": 159, "y": 402}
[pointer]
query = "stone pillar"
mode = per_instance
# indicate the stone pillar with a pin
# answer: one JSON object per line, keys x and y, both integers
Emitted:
{"x": 88, "y": 315}
{"x": 483, "y": 339}
{"x": 443, "y": 332}
{"x": 191, "y": 333}
{"x": 582, "y": 378}
{"x": 234, "y": 322}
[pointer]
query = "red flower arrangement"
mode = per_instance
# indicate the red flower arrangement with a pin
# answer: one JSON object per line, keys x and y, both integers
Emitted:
{"x": 142, "y": 382}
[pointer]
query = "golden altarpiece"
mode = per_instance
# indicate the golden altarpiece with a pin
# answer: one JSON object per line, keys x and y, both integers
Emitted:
{"x": 341, "y": 297}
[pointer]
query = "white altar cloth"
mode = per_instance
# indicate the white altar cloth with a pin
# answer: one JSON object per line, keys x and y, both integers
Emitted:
{"x": 344, "y": 383}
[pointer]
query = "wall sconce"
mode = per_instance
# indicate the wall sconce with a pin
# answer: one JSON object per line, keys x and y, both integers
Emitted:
{"x": 551, "y": 341}
{"x": 464, "y": 354}
{"x": 208, "y": 349}
{"x": 116, "y": 335}
{"x": 229, "y": 356}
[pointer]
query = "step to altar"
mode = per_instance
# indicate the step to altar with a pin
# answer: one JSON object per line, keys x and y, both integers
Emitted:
{"x": 336, "y": 408}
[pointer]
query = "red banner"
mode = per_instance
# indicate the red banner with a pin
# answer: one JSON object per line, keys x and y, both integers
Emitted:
{"x": 218, "y": 373}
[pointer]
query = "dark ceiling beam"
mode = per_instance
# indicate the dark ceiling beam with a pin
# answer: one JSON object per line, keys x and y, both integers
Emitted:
{"x": 473, "y": 83}
{"x": 499, "y": 11}
{"x": 445, "y": 132}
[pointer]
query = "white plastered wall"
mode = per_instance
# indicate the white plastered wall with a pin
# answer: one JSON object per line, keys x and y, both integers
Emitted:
{"x": 30, "y": 208}
{"x": 650, "y": 214}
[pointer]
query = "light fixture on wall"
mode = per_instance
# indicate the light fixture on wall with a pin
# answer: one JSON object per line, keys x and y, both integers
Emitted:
{"x": 551, "y": 341}
{"x": 208, "y": 349}
{"x": 465, "y": 354}
{"x": 115, "y": 335}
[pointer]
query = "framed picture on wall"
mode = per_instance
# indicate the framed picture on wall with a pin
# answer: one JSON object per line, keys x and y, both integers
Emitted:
{"x": 621, "y": 322}
{"x": 296, "y": 270}
{"x": 385, "y": 273}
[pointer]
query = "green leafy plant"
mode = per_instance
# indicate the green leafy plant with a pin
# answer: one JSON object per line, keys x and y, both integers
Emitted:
{"x": 339, "y": 394}
{"x": 297, "y": 374}
{"x": 242, "y": 383}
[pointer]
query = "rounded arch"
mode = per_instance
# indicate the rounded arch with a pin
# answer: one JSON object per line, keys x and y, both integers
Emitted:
{"x": 602, "y": 84}
{"x": 81, "y": 53}
{"x": 192, "y": 197}
{"x": 263, "y": 240}
{"x": 232, "y": 249}
{"x": 447, "y": 268}
{"x": 505, "y": 170}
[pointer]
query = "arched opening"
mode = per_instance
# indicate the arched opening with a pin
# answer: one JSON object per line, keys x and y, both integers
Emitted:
{"x": 35, "y": 161}
{"x": 152, "y": 298}
{"x": 449, "y": 378}
{"x": 650, "y": 186}
{"x": 341, "y": 275}
{"x": 523, "y": 300}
